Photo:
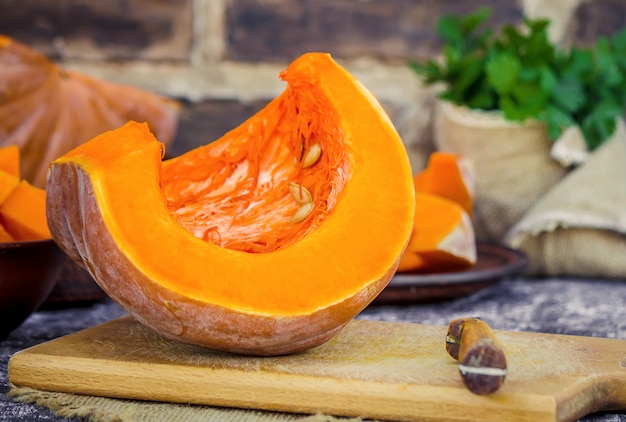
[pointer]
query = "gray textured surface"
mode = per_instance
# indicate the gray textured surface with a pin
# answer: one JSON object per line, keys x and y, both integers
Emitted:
{"x": 562, "y": 306}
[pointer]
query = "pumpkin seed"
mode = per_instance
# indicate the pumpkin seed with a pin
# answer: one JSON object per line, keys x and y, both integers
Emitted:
{"x": 312, "y": 155}
{"x": 300, "y": 193}
{"x": 302, "y": 212}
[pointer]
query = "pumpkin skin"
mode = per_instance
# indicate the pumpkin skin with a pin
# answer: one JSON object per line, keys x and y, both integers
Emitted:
{"x": 46, "y": 110}
{"x": 117, "y": 208}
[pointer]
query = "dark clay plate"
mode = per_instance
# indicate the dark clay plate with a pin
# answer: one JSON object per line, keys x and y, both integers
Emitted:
{"x": 493, "y": 263}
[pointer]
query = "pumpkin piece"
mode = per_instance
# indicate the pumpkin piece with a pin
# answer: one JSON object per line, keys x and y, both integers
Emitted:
{"x": 8, "y": 182}
{"x": 10, "y": 160}
{"x": 46, "y": 110}
{"x": 443, "y": 236}
{"x": 420, "y": 181}
{"x": 24, "y": 213}
{"x": 449, "y": 176}
{"x": 410, "y": 261}
{"x": 200, "y": 247}
{"x": 4, "y": 235}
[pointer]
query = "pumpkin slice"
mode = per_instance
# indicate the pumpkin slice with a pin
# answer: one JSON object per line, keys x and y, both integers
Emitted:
{"x": 10, "y": 160}
{"x": 266, "y": 241}
{"x": 4, "y": 235}
{"x": 449, "y": 176}
{"x": 24, "y": 213}
{"x": 46, "y": 111}
{"x": 8, "y": 183}
{"x": 443, "y": 237}
{"x": 410, "y": 261}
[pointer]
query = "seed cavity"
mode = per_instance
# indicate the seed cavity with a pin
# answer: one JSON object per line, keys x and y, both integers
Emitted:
{"x": 312, "y": 155}
{"x": 300, "y": 193}
{"x": 302, "y": 212}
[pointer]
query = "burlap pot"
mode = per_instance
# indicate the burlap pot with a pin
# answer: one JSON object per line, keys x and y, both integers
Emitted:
{"x": 511, "y": 161}
{"x": 579, "y": 227}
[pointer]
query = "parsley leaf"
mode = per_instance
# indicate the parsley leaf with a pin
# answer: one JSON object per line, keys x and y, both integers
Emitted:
{"x": 502, "y": 72}
{"x": 519, "y": 72}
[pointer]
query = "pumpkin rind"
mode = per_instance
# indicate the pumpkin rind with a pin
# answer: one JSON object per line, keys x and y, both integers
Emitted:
{"x": 107, "y": 209}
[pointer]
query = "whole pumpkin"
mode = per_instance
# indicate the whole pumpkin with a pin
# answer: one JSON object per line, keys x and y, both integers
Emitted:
{"x": 46, "y": 110}
{"x": 266, "y": 241}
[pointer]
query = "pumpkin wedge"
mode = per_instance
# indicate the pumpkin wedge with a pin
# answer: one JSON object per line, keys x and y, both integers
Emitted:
{"x": 8, "y": 182}
{"x": 264, "y": 242}
{"x": 22, "y": 206}
{"x": 46, "y": 110}
{"x": 449, "y": 176}
{"x": 4, "y": 235}
{"x": 23, "y": 213}
{"x": 10, "y": 160}
{"x": 442, "y": 239}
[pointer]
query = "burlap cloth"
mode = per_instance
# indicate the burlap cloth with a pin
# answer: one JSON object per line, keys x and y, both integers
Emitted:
{"x": 102, "y": 409}
{"x": 511, "y": 162}
{"x": 579, "y": 226}
{"x": 568, "y": 220}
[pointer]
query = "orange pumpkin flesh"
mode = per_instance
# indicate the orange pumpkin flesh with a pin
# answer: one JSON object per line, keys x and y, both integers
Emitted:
{"x": 23, "y": 213}
{"x": 411, "y": 261}
{"x": 22, "y": 206}
{"x": 5, "y": 236}
{"x": 10, "y": 160}
{"x": 449, "y": 176}
{"x": 8, "y": 182}
{"x": 46, "y": 111}
{"x": 443, "y": 238}
{"x": 203, "y": 248}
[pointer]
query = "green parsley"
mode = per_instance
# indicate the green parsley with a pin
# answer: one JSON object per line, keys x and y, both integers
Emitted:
{"x": 519, "y": 72}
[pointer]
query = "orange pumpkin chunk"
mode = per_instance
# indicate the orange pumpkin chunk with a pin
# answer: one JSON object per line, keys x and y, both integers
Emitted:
{"x": 443, "y": 237}
{"x": 410, "y": 261}
{"x": 449, "y": 176}
{"x": 266, "y": 241}
{"x": 24, "y": 213}
{"x": 10, "y": 160}
{"x": 8, "y": 182}
{"x": 4, "y": 235}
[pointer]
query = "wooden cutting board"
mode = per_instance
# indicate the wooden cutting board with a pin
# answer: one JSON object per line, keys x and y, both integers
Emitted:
{"x": 372, "y": 369}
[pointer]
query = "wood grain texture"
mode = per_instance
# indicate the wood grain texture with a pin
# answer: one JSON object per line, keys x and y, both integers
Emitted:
{"x": 378, "y": 370}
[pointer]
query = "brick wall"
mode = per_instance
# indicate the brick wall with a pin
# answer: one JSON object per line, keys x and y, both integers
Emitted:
{"x": 222, "y": 57}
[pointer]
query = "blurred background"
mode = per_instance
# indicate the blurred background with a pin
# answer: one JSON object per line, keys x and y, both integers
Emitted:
{"x": 221, "y": 58}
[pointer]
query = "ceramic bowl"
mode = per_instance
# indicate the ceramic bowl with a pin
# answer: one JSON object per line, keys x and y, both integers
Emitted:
{"x": 28, "y": 273}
